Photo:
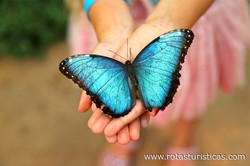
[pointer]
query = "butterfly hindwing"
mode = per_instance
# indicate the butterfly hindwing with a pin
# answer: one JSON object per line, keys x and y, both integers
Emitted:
{"x": 157, "y": 67}
{"x": 104, "y": 79}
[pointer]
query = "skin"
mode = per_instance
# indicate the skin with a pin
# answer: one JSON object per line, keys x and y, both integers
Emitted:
{"x": 114, "y": 25}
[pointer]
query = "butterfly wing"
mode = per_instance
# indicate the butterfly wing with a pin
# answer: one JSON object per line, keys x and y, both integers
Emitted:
{"x": 157, "y": 67}
{"x": 104, "y": 79}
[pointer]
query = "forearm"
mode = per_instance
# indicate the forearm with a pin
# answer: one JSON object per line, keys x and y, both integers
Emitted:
{"x": 174, "y": 14}
{"x": 110, "y": 17}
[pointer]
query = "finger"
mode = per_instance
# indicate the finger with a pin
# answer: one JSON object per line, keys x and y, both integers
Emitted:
{"x": 154, "y": 112}
{"x": 94, "y": 117}
{"x": 99, "y": 125}
{"x": 134, "y": 129}
{"x": 145, "y": 119}
{"x": 123, "y": 136}
{"x": 94, "y": 108}
{"x": 111, "y": 139}
{"x": 117, "y": 124}
{"x": 85, "y": 103}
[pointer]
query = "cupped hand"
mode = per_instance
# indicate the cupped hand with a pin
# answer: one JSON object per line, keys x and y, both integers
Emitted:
{"x": 127, "y": 128}
{"x": 124, "y": 129}
{"x": 113, "y": 34}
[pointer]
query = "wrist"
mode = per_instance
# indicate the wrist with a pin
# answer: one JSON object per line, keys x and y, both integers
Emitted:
{"x": 87, "y": 5}
{"x": 178, "y": 14}
{"x": 110, "y": 18}
{"x": 163, "y": 24}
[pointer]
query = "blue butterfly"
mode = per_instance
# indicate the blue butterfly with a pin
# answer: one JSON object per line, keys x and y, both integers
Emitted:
{"x": 112, "y": 85}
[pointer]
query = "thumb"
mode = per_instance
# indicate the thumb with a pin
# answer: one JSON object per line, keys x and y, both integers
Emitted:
{"x": 101, "y": 49}
{"x": 85, "y": 102}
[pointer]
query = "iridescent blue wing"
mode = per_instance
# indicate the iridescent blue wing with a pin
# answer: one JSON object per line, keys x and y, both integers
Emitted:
{"x": 104, "y": 79}
{"x": 157, "y": 67}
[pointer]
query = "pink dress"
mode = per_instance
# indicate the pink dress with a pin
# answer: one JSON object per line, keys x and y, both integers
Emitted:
{"x": 215, "y": 59}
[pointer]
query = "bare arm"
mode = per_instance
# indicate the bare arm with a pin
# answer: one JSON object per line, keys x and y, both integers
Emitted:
{"x": 180, "y": 13}
{"x": 114, "y": 25}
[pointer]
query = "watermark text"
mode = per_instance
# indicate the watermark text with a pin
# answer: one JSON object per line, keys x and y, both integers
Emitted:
{"x": 199, "y": 156}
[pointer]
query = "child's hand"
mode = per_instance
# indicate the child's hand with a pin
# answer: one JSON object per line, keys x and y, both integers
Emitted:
{"x": 113, "y": 35}
{"x": 122, "y": 129}
{"x": 127, "y": 128}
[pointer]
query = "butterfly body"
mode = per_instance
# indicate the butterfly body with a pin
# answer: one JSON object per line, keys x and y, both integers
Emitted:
{"x": 154, "y": 73}
{"x": 131, "y": 72}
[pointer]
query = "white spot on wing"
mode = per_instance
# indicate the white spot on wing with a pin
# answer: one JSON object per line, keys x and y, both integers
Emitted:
{"x": 162, "y": 36}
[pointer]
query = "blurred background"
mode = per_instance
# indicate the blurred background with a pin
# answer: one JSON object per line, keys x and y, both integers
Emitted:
{"x": 39, "y": 122}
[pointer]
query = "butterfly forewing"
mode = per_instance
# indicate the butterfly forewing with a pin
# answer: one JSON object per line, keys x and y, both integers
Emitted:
{"x": 104, "y": 79}
{"x": 157, "y": 67}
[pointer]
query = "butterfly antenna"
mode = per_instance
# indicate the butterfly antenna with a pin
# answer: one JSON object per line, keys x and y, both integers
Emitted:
{"x": 131, "y": 53}
{"x": 117, "y": 54}
{"x": 127, "y": 50}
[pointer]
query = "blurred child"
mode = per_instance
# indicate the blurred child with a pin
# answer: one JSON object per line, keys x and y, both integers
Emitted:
{"x": 215, "y": 60}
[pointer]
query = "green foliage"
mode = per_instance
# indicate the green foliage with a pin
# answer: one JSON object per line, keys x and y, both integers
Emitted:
{"x": 29, "y": 26}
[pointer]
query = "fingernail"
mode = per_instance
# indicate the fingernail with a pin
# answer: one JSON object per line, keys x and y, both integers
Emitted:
{"x": 84, "y": 103}
{"x": 80, "y": 106}
{"x": 156, "y": 111}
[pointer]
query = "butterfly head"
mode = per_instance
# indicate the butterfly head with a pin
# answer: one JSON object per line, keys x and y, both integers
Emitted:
{"x": 128, "y": 62}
